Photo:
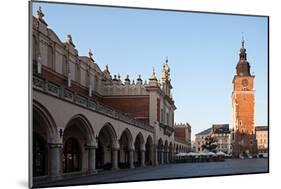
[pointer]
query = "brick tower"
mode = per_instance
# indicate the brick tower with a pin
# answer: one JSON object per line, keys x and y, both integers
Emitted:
{"x": 243, "y": 107}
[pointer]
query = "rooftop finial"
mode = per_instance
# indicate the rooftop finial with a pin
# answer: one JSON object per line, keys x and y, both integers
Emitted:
{"x": 90, "y": 53}
{"x": 40, "y": 13}
{"x": 69, "y": 39}
{"x": 153, "y": 76}
{"x": 166, "y": 71}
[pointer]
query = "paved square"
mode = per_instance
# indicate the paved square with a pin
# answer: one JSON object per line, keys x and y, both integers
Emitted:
{"x": 175, "y": 170}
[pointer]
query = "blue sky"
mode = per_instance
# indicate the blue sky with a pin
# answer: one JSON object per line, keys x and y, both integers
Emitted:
{"x": 203, "y": 50}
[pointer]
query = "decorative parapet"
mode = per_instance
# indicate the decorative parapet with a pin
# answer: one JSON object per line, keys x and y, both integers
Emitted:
{"x": 73, "y": 97}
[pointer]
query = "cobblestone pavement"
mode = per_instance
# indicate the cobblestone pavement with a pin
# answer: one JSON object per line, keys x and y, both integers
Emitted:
{"x": 168, "y": 171}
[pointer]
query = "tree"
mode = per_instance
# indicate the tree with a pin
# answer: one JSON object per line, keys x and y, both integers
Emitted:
{"x": 210, "y": 144}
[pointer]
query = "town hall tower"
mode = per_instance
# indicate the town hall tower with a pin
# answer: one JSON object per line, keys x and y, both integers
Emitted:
{"x": 243, "y": 107}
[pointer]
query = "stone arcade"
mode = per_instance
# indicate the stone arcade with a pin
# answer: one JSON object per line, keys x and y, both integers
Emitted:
{"x": 85, "y": 121}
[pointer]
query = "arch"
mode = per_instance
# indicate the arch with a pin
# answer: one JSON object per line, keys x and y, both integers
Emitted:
{"x": 160, "y": 148}
{"x": 149, "y": 150}
{"x": 166, "y": 144}
{"x": 72, "y": 160}
{"x": 107, "y": 142}
{"x": 85, "y": 126}
{"x": 128, "y": 134}
{"x": 141, "y": 138}
{"x": 40, "y": 111}
{"x": 77, "y": 136}
{"x": 109, "y": 129}
{"x": 171, "y": 151}
{"x": 125, "y": 146}
{"x": 44, "y": 131}
{"x": 139, "y": 147}
{"x": 166, "y": 152}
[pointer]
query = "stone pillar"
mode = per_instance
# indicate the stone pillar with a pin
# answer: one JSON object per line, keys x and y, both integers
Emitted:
{"x": 143, "y": 158}
{"x": 168, "y": 156}
{"x": 162, "y": 156}
{"x": 156, "y": 155}
{"x": 55, "y": 161}
{"x": 115, "y": 158}
{"x": 91, "y": 159}
{"x": 174, "y": 155}
{"x": 131, "y": 158}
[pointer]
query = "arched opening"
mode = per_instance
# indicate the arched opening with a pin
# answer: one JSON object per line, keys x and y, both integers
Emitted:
{"x": 125, "y": 144}
{"x": 40, "y": 155}
{"x": 100, "y": 155}
{"x": 166, "y": 152}
{"x": 77, "y": 136}
{"x": 160, "y": 149}
{"x": 171, "y": 152}
{"x": 139, "y": 144}
{"x": 148, "y": 151}
{"x": 106, "y": 139}
{"x": 41, "y": 134}
{"x": 71, "y": 155}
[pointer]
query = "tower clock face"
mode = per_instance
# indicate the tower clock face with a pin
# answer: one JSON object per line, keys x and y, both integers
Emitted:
{"x": 244, "y": 82}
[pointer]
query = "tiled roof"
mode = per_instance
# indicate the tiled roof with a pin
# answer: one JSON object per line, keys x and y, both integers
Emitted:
{"x": 205, "y": 132}
{"x": 221, "y": 128}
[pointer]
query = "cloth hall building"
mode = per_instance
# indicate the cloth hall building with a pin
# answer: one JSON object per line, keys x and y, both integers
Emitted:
{"x": 85, "y": 120}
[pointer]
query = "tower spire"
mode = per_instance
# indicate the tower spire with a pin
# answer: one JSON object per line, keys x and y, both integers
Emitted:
{"x": 243, "y": 66}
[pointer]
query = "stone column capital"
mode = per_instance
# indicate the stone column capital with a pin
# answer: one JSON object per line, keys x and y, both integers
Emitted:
{"x": 55, "y": 145}
{"x": 90, "y": 147}
{"x": 115, "y": 148}
{"x": 131, "y": 149}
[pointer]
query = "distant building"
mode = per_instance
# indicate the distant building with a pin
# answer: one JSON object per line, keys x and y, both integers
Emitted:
{"x": 183, "y": 134}
{"x": 193, "y": 146}
{"x": 200, "y": 139}
{"x": 262, "y": 138}
{"x": 223, "y": 137}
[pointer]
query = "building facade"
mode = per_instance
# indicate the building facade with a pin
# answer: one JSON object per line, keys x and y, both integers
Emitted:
{"x": 222, "y": 134}
{"x": 85, "y": 120}
{"x": 183, "y": 133}
{"x": 200, "y": 139}
{"x": 262, "y": 138}
{"x": 243, "y": 104}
